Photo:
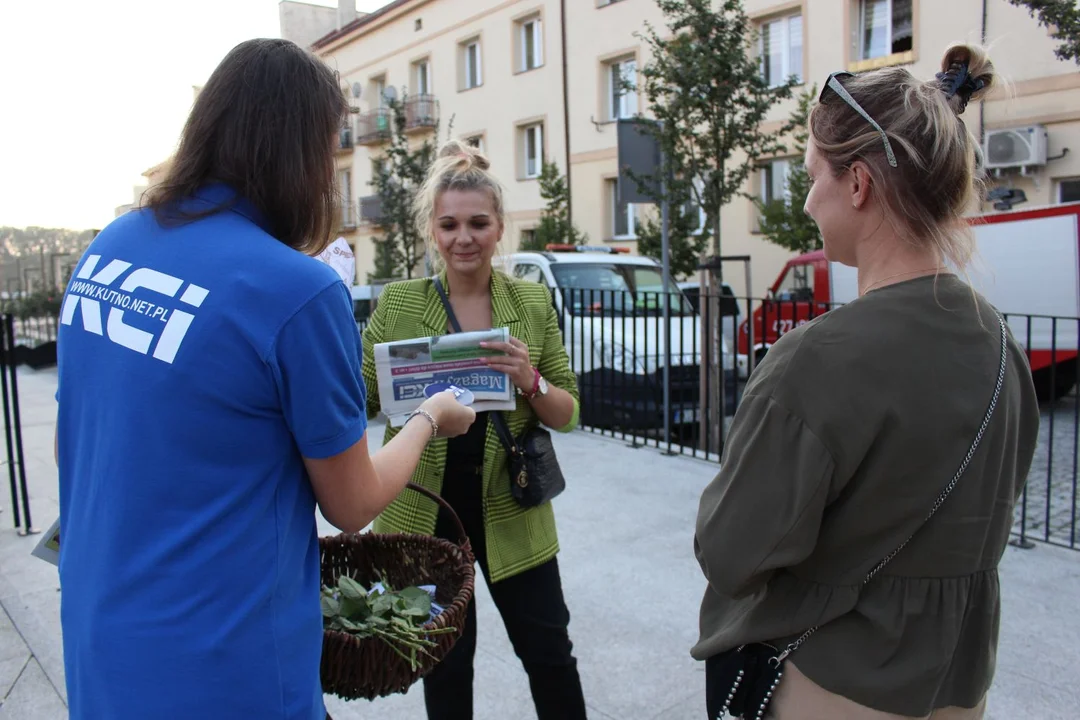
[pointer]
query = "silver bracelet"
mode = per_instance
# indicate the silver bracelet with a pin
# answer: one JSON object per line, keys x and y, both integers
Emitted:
{"x": 430, "y": 419}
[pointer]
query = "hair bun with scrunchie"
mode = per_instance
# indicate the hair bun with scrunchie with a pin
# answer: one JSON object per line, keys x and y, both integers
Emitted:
{"x": 958, "y": 81}
{"x": 466, "y": 153}
{"x": 966, "y": 71}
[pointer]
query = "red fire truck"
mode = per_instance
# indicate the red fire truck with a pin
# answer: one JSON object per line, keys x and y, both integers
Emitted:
{"x": 1027, "y": 264}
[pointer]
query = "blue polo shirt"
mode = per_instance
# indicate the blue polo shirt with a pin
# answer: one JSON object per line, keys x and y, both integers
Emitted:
{"x": 198, "y": 365}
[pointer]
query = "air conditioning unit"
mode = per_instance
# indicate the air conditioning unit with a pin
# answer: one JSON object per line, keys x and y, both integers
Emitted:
{"x": 1020, "y": 147}
{"x": 371, "y": 211}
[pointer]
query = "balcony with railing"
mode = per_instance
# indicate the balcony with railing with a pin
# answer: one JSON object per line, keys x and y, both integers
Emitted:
{"x": 373, "y": 127}
{"x": 421, "y": 113}
{"x": 371, "y": 212}
{"x": 345, "y": 139}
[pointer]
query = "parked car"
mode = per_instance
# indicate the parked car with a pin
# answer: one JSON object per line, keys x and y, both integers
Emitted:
{"x": 363, "y": 297}
{"x": 730, "y": 314}
{"x": 610, "y": 311}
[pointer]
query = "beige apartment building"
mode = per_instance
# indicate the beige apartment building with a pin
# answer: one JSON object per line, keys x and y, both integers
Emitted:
{"x": 527, "y": 82}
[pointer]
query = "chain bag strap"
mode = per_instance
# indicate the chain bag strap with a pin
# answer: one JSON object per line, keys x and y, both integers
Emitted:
{"x": 743, "y": 681}
{"x": 535, "y": 475}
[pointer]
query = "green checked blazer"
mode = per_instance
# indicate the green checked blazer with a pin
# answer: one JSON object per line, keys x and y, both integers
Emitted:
{"x": 517, "y": 538}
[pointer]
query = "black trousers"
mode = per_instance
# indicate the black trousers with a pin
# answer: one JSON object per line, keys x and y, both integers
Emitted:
{"x": 536, "y": 619}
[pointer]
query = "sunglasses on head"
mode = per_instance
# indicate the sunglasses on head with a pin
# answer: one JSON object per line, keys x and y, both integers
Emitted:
{"x": 833, "y": 83}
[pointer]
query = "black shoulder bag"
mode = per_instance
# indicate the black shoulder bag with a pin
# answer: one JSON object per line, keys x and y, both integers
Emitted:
{"x": 742, "y": 681}
{"x": 535, "y": 476}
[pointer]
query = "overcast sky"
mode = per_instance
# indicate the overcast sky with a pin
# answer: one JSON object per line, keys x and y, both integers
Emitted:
{"x": 94, "y": 92}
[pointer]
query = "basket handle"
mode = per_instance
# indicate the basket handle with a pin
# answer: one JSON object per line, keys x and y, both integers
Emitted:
{"x": 462, "y": 535}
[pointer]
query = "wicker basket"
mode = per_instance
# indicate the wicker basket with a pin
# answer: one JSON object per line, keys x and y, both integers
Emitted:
{"x": 353, "y": 667}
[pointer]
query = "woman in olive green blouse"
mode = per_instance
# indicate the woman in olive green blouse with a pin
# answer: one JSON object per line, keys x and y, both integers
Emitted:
{"x": 854, "y": 423}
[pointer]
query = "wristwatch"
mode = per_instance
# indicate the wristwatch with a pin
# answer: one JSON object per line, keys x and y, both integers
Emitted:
{"x": 540, "y": 386}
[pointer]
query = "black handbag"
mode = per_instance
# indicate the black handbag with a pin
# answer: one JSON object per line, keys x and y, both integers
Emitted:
{"x": 535, "y": 475}
{"x": 741, "y": 682}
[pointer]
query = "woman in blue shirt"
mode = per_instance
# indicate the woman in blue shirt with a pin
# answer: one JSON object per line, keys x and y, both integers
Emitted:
{"x": 210, "y": 394}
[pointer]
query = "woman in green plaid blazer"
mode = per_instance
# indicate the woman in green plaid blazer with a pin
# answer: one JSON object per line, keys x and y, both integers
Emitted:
{"x": 460, "y": 213}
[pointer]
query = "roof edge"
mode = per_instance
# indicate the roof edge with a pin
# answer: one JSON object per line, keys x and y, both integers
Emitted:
{"x": 359, "y": 22}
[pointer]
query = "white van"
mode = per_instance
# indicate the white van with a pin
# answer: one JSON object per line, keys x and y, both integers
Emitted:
{"x": 611, "y": 315}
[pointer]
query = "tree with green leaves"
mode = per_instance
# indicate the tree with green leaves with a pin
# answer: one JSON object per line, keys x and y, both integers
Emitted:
{"x": 783, "y": 220}
{"x": 706, "y": 89}
{"x": 687, "y": 241}
{"x": 386, "y": 264}
{"x": 555, "y": 226}
{"x": 1062, "y": 18}
{"x": 397, "y": 176}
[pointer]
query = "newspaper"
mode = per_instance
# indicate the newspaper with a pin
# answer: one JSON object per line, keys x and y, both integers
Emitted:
{"x": 48, "y": 548}
{"x": 339, "y": 256}
{"x": 406, "y": 367}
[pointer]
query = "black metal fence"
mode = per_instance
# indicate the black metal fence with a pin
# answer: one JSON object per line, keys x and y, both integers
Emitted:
{"x": 33, "y": 341}
{"x": 9, "y": 391}
{"x": 619, "y": 345}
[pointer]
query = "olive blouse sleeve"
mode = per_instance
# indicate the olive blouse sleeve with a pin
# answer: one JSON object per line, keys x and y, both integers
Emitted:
{"x": 764, "y": 509}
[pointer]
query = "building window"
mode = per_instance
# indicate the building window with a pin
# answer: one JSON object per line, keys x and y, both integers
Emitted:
{"x": 1069, "y": 191}
{"x": 774, "y": 185}
{"x": 477, "y": 141}
{"x": 622, "y": 216}
{"x": 379, "y": 90}
{"x": 532, "y": 146}
{"x": 422, "y": 77}
{"x": 886, "y": 27}
{"x": 530, "y": 42}
{"x": 622, "y": 98}
{"x": 781, "y": 48}
{"x": 345, "y": 191}
{"x": 528, "y": 240}
{"x": 472, "y": 64}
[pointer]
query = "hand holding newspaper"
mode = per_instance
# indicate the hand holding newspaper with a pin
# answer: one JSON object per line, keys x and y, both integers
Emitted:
{"x": 406, "y": 367}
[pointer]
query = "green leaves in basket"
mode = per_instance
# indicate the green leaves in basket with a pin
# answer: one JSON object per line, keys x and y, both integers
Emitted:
{"x": 414, "y": 603}
{"x": 351, "y": 589}
{"x": 395, "y": 617}
{"x": 331, "y": 608}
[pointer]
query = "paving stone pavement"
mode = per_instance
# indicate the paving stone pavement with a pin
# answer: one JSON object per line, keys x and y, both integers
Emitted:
{"x": 1050, "y": 510}
{"x": 631, "y": 581}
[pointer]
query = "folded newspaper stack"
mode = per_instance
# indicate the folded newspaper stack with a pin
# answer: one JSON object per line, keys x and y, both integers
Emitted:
{"x": 405, "y": 367}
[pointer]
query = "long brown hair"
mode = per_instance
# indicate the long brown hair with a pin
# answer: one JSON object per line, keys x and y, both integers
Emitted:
{"x": 264, "y": 124}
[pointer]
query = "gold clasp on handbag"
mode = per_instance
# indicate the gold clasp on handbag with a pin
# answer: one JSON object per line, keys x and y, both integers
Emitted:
{"x": 522, "y": 479}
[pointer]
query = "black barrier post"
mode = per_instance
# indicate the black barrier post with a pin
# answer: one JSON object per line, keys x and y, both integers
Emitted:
{"x": 28, "y": 525}
{"x": 1022, "y": 541}
{"x": 1075, "y": 451}
{"x": 7, "y": 357}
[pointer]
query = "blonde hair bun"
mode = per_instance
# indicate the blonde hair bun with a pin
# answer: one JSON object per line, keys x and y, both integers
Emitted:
{"x": 960, "y": 87}
{"x": 467, "y": 156}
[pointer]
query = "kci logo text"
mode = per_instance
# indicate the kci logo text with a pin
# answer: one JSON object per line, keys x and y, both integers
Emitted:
{"x": 88, "y": 290}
